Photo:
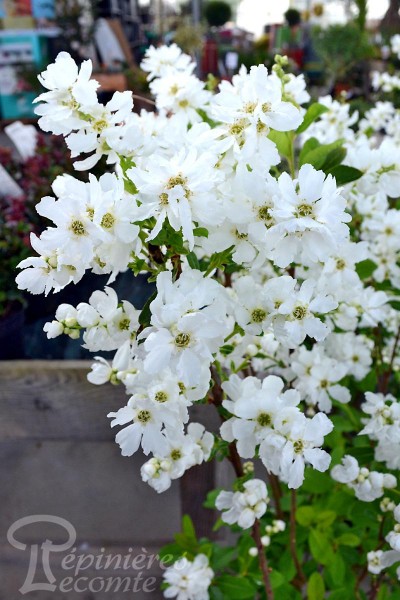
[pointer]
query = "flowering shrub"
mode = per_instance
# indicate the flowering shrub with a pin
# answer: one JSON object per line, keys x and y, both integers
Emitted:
{"x": 272, "y": 233}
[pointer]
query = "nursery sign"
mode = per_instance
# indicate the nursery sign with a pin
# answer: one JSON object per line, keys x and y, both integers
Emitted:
{"x": 81, "y": 571}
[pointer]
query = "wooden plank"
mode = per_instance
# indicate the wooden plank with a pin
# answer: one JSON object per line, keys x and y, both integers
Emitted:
{"x": 42, "y": 400}
{"x": 52, "y": 400}
{"x": 90, "y": 485}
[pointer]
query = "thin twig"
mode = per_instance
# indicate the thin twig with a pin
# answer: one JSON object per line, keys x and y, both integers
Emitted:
{"x": 262, "y": 559}
{"x": 386, "y": 377}
{"x": 143, "y": 99}
{"x": 277, "y": 494}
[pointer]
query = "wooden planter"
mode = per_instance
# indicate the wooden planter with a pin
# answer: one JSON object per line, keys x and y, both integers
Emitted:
{"x": 59, "y": 457}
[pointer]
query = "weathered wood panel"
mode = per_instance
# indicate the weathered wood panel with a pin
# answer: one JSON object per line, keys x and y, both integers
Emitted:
{"x": 58, "y": 457}
{"x": 53, "y": 400}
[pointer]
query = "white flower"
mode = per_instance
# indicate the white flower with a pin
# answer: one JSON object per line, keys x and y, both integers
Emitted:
{"x": 70, "y": 91}
{"x": 100, "y": 132}
{"x": 158, "y": 61}
{"x": 368, "y": 485}
{"x": 180, "y": 189}
{"x": 246, "y": 506}
{"x": 145, "y": 429}
{"x": 189, "y": 580}
{"x": 294, "y": 443}
{"x": 181, "y": 93}
{"x": 102, "y": 371}
{"x": 310, "y": 218}
{"x": 254, "y": 406}
{"x": 317, "y": 377}
{"x": 248, "y": 107}
{"x": 297, "y": 318}
{"x": 374, "y": 561}
{"x": 189, "y": 324}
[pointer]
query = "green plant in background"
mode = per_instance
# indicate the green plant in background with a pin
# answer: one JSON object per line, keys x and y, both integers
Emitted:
{"x": 340, "y": 48}
{"x": 293, "y": 17}
{"x": 217, "y": 13}
{"x": 189, "y": 37}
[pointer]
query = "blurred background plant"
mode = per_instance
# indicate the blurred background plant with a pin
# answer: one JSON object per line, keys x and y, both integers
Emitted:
{"x": 217, "y": 13}
{"x": 18, "y": 217}
{"x": 340, "y": 48}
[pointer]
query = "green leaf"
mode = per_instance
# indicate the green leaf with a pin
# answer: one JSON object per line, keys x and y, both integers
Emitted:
{"x": 219, "y": 259}
{"x": 348, "y": 539}
{"x": 193, "y": 261}
{"x": 277, "y": 579}
{"x": 309, "y": 145}
{"x": 369, "y": 383}
{"x": 345, "y": 174}
{"x": 346, "y": 593}
{"x": 317, "y": 156}
{"x": 145, "y": 315}
{"x": 320, "y": 547}
{"x": 305, "y": 515}
{"x": 283, "y": 141}
{"x": 337, "y": 570}
{"x": 211, "y": 498}
{"x": 315, "y": 587}
{"x": 325, "y": 518}
{"x": 188, "y": 528}
{"x": 312, "y": 114}
{"x": 126, "y": 163}
{"x": 236, "y": 587}
{"x": 317, "y": 482}
{"x": 170, "y": 553}
{"x": 221, "y": 557}
{"x": 365, "y": 268}
{"x": 334, "y": 159}
{"x": 395, "y": 304}
{"x": 200, "y": 232}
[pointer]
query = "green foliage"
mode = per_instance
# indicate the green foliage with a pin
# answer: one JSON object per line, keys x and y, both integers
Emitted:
{"x": 316, "y": 587}
{"x": 312, "y": 114}
{"x": 340, "y": 47}
{"x": 217, "y": 13}
{"x": 293, "y": 17}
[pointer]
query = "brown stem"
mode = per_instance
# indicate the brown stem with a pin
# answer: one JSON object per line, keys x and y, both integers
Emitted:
{"x": 361, "y": 576}
{"x": 177, "y": 264}
{"x": 300, "y": 577}
{"x": 277, "y": 494}
{"x": 384, "y": 383}
{"x": 375, "y": 587}
{"x": 262, "y": 559}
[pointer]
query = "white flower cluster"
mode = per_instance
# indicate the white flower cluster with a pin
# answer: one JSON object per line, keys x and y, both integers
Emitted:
{"x": 385, "y": 82}
{"x": 106, "y": 324}
{"x": 266, "y": 417}
{"x": 244, "y": 507}
{"x": 93, "y": 229}
{"x": 383, "y": 426}
{"x": 367, "y": 485}
{"x": 189, "y": 580}
{"x": 378, "y": 560}
{"x": 285, "y": 328}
